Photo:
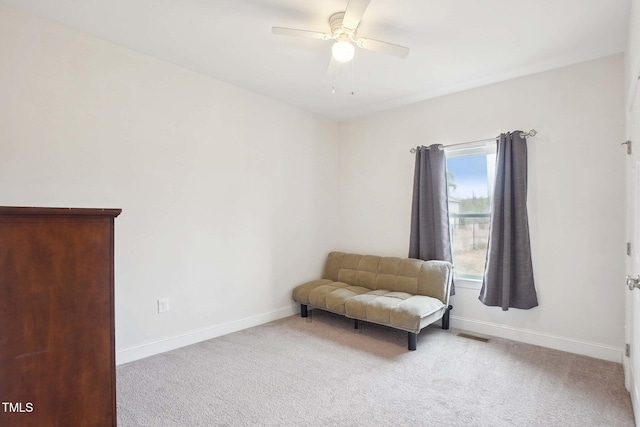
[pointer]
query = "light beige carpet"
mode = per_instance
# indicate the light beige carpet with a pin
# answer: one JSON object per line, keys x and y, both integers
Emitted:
{"x": 325, "y": 373}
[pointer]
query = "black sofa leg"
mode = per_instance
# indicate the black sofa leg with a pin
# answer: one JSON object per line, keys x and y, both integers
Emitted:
{"x": 356, "y": 324}
{"x": 445, "y": 318}
{"x": 413, "y": 338}
{"x": 303, "y": 311}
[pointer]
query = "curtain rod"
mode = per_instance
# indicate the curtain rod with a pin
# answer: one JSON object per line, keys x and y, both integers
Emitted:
{"x": 532, "y": 133}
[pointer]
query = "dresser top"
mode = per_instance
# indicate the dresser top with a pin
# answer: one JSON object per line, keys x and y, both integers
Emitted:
{"x": 20, "y": 210}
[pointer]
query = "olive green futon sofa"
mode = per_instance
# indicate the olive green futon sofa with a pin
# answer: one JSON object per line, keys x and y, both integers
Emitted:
{"x": 402, "y": 293}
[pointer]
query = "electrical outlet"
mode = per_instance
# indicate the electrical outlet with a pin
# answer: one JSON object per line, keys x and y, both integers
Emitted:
{"x": 163, "y": 305}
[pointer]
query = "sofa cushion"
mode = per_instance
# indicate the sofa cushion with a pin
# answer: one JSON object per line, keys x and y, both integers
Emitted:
{"x": 400, "y": 310}
{"x": 326, "y": 294}
{"x": 301, "y": 292}
{"x": 435, "y": 280}
{"x": 413, "y": 276}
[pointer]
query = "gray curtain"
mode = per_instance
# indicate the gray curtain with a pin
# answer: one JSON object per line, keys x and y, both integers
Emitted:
{"x": 508, "y": 276}
{"x": 430, "y": 236}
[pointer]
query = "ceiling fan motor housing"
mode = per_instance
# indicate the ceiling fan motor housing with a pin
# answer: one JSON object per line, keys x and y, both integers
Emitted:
{"x": 337, "y": 30}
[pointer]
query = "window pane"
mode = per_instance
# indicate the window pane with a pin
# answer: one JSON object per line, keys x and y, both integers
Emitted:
{"x": 469, "y": 207}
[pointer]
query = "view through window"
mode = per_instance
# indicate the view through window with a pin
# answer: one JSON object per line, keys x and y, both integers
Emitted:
{"x": 470, "y": 192}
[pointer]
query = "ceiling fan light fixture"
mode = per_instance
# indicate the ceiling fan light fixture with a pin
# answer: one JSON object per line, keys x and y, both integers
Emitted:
{"x": 342, "y": 51}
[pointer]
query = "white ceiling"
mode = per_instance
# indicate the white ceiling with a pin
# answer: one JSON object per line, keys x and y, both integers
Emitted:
{"x": 455, "y": 44}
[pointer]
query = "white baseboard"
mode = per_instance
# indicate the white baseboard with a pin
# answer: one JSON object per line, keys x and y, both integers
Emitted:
{"x": 145, "y": 350}
{"x": 556, "y": 342}
{"x": 598, "y": 351}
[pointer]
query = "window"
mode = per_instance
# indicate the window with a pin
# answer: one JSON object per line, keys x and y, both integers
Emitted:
{"x": 470, "y": 176}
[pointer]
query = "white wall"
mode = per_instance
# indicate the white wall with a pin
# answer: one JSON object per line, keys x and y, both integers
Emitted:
{"x": 576, "y": 196}
{"x": 228, "y": 197}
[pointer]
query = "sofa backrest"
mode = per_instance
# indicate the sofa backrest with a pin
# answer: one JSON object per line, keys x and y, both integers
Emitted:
{"x": 414, "y": 276}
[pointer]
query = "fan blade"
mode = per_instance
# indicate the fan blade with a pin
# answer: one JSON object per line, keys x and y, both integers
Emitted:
{"x": 384, "y": 47}
{"x": 354, "y": 12}
{"x": 334, "y": 66}
{"x": 300, "y": 33}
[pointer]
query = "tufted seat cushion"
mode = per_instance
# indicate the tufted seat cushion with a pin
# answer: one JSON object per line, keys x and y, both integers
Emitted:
{"x": 326, "y": 294}
{"x": 399, "y": 310}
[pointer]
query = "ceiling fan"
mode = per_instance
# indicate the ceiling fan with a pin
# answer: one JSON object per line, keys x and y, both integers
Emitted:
{"x": 344, "y": 27}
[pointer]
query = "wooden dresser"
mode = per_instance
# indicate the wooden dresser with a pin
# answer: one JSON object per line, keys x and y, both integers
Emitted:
{"x": 57, "y": 342}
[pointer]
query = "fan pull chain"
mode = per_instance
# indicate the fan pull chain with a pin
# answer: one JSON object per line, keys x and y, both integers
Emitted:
{"x": 352, "y": 61}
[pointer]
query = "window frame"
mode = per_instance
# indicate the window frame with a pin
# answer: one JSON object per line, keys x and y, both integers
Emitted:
{"x": 486, "y": 148}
